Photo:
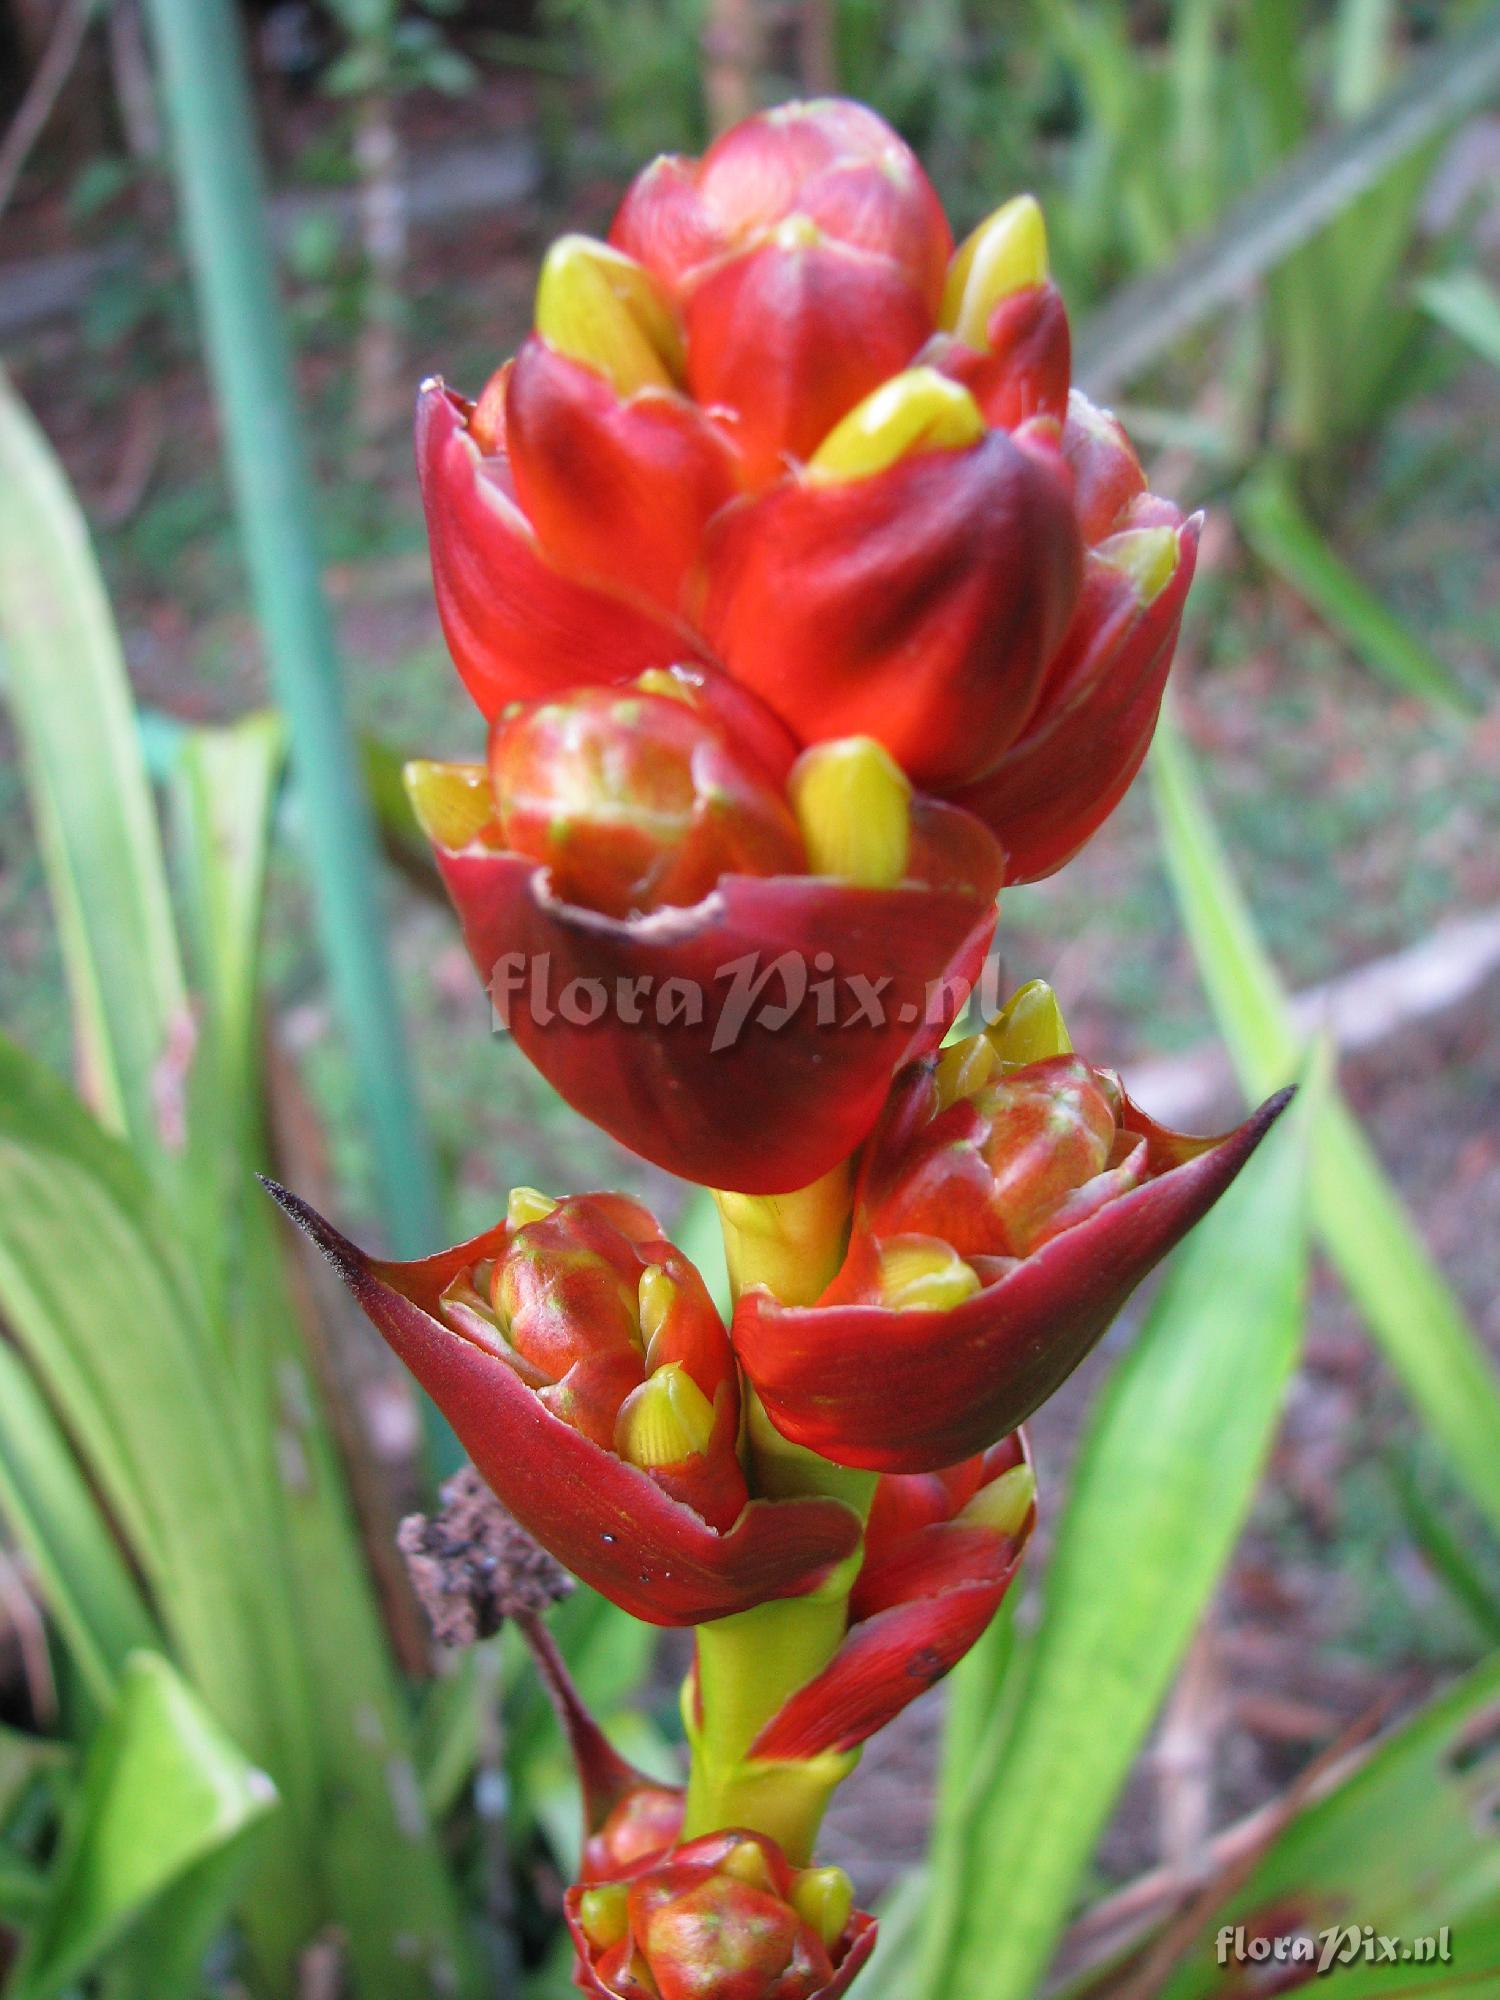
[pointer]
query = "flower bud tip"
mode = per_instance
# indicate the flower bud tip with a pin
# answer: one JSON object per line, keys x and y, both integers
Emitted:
{"x": 1147, "y": 556}
{"x": 964, "y": 1068}
{"x": 1031, "y": 1027}
{"x": 527, "y": 1204}
{"x": 747, "y": 1863}
{"x": 602, "y": 1914}
{"x": 600, "y": 307}
{"x": 666, "y": 1420}
{"x": 924, "y": 1274}
{"x": 452, "y": 802}
{"x": 1007, "y": 253}
{"x": 853, "y": 806}
{"x": 1002, "y": 1505}
{"x": 824, "y": 1899}
{"x": 917, "y": 411}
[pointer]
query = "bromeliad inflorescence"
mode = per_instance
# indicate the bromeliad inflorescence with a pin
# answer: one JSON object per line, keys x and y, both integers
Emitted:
{"x": 807, "y": 604}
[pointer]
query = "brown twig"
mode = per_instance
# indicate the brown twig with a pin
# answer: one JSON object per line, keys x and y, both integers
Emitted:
{"x": 1234, "y": 1857}
{"x": 46, "y": 86}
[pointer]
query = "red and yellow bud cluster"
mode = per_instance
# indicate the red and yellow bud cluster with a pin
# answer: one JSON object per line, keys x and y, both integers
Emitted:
{"x": 807, "y": 603}
{"x": 1008, "y": 1203}
{"x": 611, "y": 1327}
{"x": 921, "y": 534}
{"x": 724, "y": 1917}
{"x": 634, "y": 800}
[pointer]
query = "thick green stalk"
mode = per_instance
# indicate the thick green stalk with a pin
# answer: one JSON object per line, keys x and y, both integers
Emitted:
{"x": 220, "y": 185}
{"x": 750, "y": 1663}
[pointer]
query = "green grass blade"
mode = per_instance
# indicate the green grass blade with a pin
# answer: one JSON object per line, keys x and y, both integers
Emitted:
{"x": 1319, "y": 182}
{"x": 107, "y": 1310}
{"x": 1359, "y": 1216}
{"x": 1469, "y": 306}
{"x": 1284, "y": 538}
{"x": 163, "y": 1795}
{"x": 90, "y": 797}
{"x": 55, "y": 1521}
{"x": 1162, "y": 1484}
{"x": 221, "y": 789}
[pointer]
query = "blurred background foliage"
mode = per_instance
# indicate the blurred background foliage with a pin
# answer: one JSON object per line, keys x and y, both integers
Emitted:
{"x": 1255, "y": 1672}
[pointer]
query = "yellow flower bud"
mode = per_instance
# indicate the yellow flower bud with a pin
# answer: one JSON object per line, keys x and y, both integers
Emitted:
{"x": 655, "y": 1294}
{"x": 917, "y": 411}
{"x": 823, "y": 1898}
{"x": 1031, "y": 1027}
{"x": 1002, "y": 1505}
{"x": 1005, "y": 254}
{"x": 964, "y": 1068}
{"x": 853, "y": 805}
{"x": 602, "y": 308}
{"x": 452, "y": 802}
{"x": 1148, "y": 556}
{"x": 924, "y": 1274}
{"x": 602, "y": 1914}
{"x": 527, "y": 1204}
{"x": 748, "y": 1863}
{"x": 667, "y": 1419}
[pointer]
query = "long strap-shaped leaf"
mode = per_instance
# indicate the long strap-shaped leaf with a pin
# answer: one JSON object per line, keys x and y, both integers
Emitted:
{"x": 1161, "y": 1487}
{"x": 91, "y": 799}
{"x": 1404, "y": 1842}
{"x": 1409, "y": 1306}
{"x": 153, "y": 1845}
{"x": 1145, "y": 319}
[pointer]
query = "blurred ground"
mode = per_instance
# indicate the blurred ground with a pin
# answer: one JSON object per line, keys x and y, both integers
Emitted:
{"x": 1358, "y": 822}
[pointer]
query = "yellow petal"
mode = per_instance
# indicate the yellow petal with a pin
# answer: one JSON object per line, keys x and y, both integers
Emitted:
{"x": 667, "y": 1419}
{"x": 1031, "y": 1027}
{"x": 964, "y": 1068}
{"x": 823, "y": 1898}
{"x": 917, "y": 411}
{"x": 852, "y": 801}
{"x": 1004, "y": 1504}
{"x": 1005, "y": 254}
{"x": 452, "y": 802}
{"x": 1148, "y": 556}
{"x": 602, "y": 308}
{"x": 527, "y": 1204}
{"x": 924, "y": 1274}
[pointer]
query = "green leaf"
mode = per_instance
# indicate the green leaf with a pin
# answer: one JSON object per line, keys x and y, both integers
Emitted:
{"x": 1164, "y": 1478}
{"x": 26, "y": 1761}
{"x": 1359, "y": 1216}
{"x": 52, "y": 1516}
{"x": 1322, "y": 180}
{"x": 164, "y": 1798}
{"x": 1404, "y": 1843}
{"x": 89, "y": 793}
{"x": 104, "y": 1303}
{"x": 1281, "y": 534}
{"x": 1468, "y": 305}
{"x": 222, "y": 789}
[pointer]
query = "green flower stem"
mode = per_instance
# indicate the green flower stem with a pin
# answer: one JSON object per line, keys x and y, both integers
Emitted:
{"x": 750, "y": 1663}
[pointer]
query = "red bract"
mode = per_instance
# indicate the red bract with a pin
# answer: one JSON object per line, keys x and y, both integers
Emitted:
{"x": 724, "y": 1917}
{"x": 746, "y": 1041}
{"x": 617, "y": 1526}
{"x": 921, "y": 603}
{"x": 779, "y": 427}
{"x": 918, "y": 1356}
{"x": 941, "y": 1551}
{"x": 635, "y": 801}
